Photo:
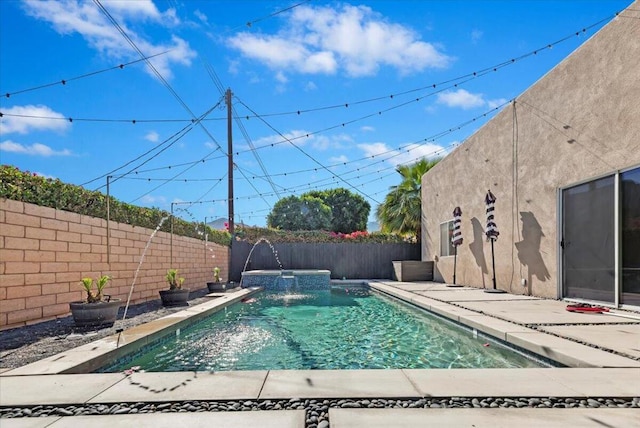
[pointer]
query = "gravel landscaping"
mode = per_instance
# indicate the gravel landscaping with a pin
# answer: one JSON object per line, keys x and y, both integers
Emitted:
{"x": 24, "y": 345}
{"x": 317, "y": 411}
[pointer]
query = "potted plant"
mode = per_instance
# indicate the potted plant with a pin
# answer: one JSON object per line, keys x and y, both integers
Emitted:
{"x": 97, "y": 309}
{"x": 175, "y": 295}
{"x": 216, "y": 284}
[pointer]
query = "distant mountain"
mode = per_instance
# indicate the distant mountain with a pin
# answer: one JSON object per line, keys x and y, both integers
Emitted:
{"x": 218, "y": 224}
{"x": 373, "y": 226}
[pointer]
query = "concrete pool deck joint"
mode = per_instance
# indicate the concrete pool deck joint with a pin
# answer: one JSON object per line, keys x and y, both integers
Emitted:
{"x": 113, "y": 388}
{"x": 570, "y": 384}
{"x": 513, "y": 313}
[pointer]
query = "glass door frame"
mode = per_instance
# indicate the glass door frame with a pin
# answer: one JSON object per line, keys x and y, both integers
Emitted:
{"x": 616, "y": 236}
{"x": 617, "y": 219}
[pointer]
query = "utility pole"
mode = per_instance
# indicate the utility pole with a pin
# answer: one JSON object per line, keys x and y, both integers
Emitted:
{"x": 108, "y": 221}
{"x": 230, "y": 175}
{"x": 230, "y": 149}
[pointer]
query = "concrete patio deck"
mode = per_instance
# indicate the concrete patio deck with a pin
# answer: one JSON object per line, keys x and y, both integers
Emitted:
{"x": 601, "y": 350}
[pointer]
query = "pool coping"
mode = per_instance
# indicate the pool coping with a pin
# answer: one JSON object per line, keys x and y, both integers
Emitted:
{"x": 43, "y": 382}
{"x": 92, "y": 356}
{"x": 563, "y": 351}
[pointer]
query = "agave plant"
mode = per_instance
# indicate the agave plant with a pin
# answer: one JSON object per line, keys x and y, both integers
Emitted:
{"x": 175, "y": 283}
{"x": 216, "y": 274}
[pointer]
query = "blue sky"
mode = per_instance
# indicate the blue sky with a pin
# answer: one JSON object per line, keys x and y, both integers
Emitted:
{"x": 325, "y": 94}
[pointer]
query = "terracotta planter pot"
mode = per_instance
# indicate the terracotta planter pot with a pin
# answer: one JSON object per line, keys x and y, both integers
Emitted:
{"x": 95, "y": 314}
{"x": 216, "y": 286}
{"x": 175, "y": 297}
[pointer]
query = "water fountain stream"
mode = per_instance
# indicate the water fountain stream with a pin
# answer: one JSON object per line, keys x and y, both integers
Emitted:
{"x": 135, "y": 276}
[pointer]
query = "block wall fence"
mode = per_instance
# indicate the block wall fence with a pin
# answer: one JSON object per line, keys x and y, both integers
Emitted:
{"x": 44, "y": 253}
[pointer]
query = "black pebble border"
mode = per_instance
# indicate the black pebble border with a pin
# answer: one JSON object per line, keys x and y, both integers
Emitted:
{"x": 317, "y": 411}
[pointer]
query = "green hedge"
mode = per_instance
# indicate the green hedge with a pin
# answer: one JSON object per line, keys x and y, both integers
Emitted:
{"x": 34, "y": 189}
{"x": 28, "y": 187}
{"x": 253, "y": 234}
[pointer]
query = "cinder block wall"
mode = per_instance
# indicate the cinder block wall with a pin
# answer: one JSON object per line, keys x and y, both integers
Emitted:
{"x": 44, "y": 253}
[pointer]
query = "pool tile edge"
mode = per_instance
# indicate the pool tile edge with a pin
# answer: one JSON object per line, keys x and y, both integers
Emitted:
{"x": 91, "y": 356}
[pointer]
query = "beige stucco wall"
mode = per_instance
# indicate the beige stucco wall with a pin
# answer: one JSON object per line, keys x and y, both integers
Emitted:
{"x": 580, "y": 121}
{"x": 44, "y": 253}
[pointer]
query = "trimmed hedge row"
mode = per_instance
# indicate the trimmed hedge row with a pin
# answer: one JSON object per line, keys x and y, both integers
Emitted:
{"x": 253, "y": 234}
{"x": 34, "y": 189}
{"x": 29, "y": 187}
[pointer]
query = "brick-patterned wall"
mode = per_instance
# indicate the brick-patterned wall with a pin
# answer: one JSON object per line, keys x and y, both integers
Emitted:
{"x": 44, "y": 253}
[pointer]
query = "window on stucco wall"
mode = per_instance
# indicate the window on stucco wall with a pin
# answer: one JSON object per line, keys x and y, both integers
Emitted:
{"x": 446, "y": 233}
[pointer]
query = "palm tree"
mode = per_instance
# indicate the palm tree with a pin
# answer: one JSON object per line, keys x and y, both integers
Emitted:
{"x": 401, "y": 211}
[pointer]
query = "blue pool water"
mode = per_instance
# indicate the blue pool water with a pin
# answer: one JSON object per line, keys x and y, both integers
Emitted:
{"x": 329, "y": 329}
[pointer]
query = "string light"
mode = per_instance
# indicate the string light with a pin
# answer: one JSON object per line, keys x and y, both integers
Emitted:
{"x": 82, "y": 76}
{"x": 460, "y": 80}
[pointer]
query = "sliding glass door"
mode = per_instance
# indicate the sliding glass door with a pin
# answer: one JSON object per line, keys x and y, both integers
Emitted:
{"x": 600, "y": 239}
{"x": 630, "y": 236}
{"x": 588, "y": 244}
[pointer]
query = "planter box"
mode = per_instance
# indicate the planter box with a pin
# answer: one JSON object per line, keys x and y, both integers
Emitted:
{"x": 216, "y": 286}
{"x": 175, "y": 297}
{"x": 95, "y": 314}
{"x": 412, "y": 270}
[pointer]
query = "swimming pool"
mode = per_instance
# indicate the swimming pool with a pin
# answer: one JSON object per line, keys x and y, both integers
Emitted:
{"x": 337, "y": 328}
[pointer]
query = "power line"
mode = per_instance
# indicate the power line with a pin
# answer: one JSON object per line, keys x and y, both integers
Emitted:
{"x": 99, "y": 120}
{"x": 175, "y": 137}
{"x": 460, "y": 79}
{"x": 155, "y": 71}
{"x": 394, "y": 152}
{"x": 249, "y": 24}
{"x": 323, "y": 182}
{"x": 304, "y": 152}
{"x": 216, "y": 80}
{"x": 82, "y": 76}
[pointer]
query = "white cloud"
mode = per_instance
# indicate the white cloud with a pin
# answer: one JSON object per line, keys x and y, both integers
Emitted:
{"x": 201, "y": 16}
{"x": 461, "y": 98}
{"x": 467, "y": 100}
{"x": 310, "y": 86}
{"x": 152, "y": 136}
{"x": 301, "y": 137}
{"x": 323, "y": 40}
{"x": 210, "y": 145}
{"x": 281, "y": 78}
{"x": 149, "y": 199}
{"x": 35, "y": 149}
{"x": 50, "y": 177}
{"x": 409, "y": 153}
{"x": 86, "y": 19}
{"x": 40, "y": 120}
{"x": 476, "y": 35}
{"x": 367, "y": 128}
{"x": 338, "y": 159}
{"x": 496, "y": 103}
{"x": 234, "y": 67}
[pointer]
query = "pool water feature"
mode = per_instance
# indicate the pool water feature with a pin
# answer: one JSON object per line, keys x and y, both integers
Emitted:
{"x": 284, "y": 280}
{"x": 338, "y": 328}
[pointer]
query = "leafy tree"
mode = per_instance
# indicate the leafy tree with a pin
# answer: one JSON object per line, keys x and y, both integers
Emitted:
{"x": 300, "y": 213}
{"x": 350, "y": 211}
{"x": 401, "y": 211}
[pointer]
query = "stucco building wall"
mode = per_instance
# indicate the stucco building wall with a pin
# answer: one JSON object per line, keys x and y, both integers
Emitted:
{"x": 580, "y": 121}
{"x": 44, "y": 253}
